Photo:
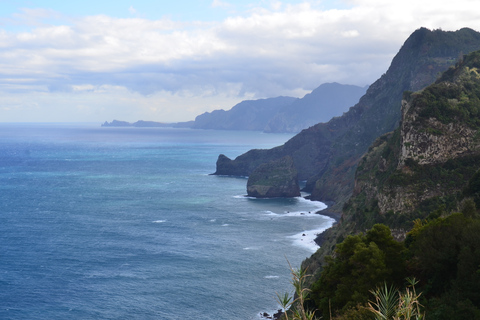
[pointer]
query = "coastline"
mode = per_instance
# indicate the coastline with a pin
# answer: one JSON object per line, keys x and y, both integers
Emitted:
{"x": 334, "y": 215}
{"x": 318, "y": 240}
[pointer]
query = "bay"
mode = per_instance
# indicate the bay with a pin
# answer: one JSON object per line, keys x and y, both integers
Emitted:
{"x": 128, "y": 223}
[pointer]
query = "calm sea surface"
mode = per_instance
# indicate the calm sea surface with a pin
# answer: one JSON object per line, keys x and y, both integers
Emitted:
{"x": 127, "y": 223}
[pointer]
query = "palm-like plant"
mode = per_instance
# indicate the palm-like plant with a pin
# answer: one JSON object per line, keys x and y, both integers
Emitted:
{"x": 391, "y": 304}
{"x": 385, "y": 304}
{"x": 299, "y": 312}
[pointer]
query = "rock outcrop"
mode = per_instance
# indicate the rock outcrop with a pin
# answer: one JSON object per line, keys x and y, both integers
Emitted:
{"x": 274, "y": 179}
{"x": 434, "y": 153}
{"x": 434, "y": 141}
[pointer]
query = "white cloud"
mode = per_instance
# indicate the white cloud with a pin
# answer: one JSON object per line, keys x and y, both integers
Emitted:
{"x": 285, "y": 50}
{"x": 220, "y": 4}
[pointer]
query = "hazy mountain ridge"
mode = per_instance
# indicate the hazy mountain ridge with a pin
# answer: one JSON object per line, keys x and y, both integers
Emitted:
{"x": 284, "y": 114}
{"x": 326, "y": 154}
{"x": 246, "y": 115}
{"x": 325, "y": 102}
{"x": 279, "y": 114}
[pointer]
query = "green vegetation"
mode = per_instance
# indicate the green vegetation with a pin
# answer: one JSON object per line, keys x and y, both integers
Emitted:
{"x": 390, "y": 303}
{"x": 442, "y": 253}
{"x": 359, "y": 264}
{"x": 296, "y": 309}
{"x": 454, "y": 97}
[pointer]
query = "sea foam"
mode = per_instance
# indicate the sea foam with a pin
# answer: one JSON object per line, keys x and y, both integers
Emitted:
{"x": 306, "y": 239}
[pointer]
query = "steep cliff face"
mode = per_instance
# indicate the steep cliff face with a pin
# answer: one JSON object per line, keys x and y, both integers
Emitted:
{"x": 433, "y": 154}
{"x": 327, "y": 154}
{"x": 424, "y": 168}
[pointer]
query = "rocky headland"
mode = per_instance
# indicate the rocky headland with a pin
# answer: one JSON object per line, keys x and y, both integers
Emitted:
{"x": 327, "y": 154}
{"x": 274, "y": 179}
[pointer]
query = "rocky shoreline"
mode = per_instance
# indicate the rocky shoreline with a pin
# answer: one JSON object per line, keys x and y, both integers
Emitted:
{"x": 318, "y": 240}
{"x": 325, "y": 212}
{"x": 275, "y": 316}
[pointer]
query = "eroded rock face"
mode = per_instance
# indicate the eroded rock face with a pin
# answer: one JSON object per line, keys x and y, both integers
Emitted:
{"x": 274, "y": 179}
{"x": 434, "y": 142}
{"x": 432, "y": 156}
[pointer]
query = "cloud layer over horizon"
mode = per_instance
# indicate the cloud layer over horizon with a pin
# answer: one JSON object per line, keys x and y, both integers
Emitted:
{"x": 55, "y": 67}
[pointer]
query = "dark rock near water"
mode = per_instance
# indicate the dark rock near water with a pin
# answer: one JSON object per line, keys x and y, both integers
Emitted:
{"x": 274, "y": 179}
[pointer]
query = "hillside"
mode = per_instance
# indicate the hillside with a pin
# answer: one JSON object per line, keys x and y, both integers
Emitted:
{"x": 417, "y": 176}
{"x": 326, "y": 154}
{"x": 426, "y": 162}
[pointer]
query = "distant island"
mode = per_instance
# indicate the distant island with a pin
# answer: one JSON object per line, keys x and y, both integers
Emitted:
{"x": 142, "y": 123}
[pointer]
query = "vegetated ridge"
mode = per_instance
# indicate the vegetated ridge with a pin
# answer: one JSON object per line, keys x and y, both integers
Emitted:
{"x": 327, "y": 154}
{"x": 417, "y": 193}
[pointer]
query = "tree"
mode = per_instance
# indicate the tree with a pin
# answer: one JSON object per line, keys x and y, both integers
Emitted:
{"x": 360, "y": 263}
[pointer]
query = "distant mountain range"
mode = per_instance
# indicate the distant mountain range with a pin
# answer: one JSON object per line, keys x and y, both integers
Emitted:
{"x": 325, "y": 102}
{"x": 280, "y": 114}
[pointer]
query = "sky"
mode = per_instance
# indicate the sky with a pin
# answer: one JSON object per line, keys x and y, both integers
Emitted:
{"x": 169, "y": 61}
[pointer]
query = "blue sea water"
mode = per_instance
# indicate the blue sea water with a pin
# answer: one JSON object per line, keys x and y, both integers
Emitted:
{"x": 127, "y": 223}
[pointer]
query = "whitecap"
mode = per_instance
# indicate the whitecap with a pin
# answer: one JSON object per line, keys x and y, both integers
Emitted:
{"x": 243, "y": 197}
{"x": 270, "y": 213}
{"x": 159, "y": 221}
{"x": 225, "y": 225}
{"x": 300, "y": 213}
{"x": 306, "y": 239}
{"x": 271, "y": 277}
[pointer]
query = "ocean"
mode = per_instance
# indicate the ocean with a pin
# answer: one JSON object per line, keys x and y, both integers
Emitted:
{"x": 128, "y": 223}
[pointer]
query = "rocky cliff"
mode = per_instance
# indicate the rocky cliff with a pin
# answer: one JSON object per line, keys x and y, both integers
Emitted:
{"x": 327, "y": 154}
{"x": 425, "y": 168}
{"x": 435, "y": 151}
